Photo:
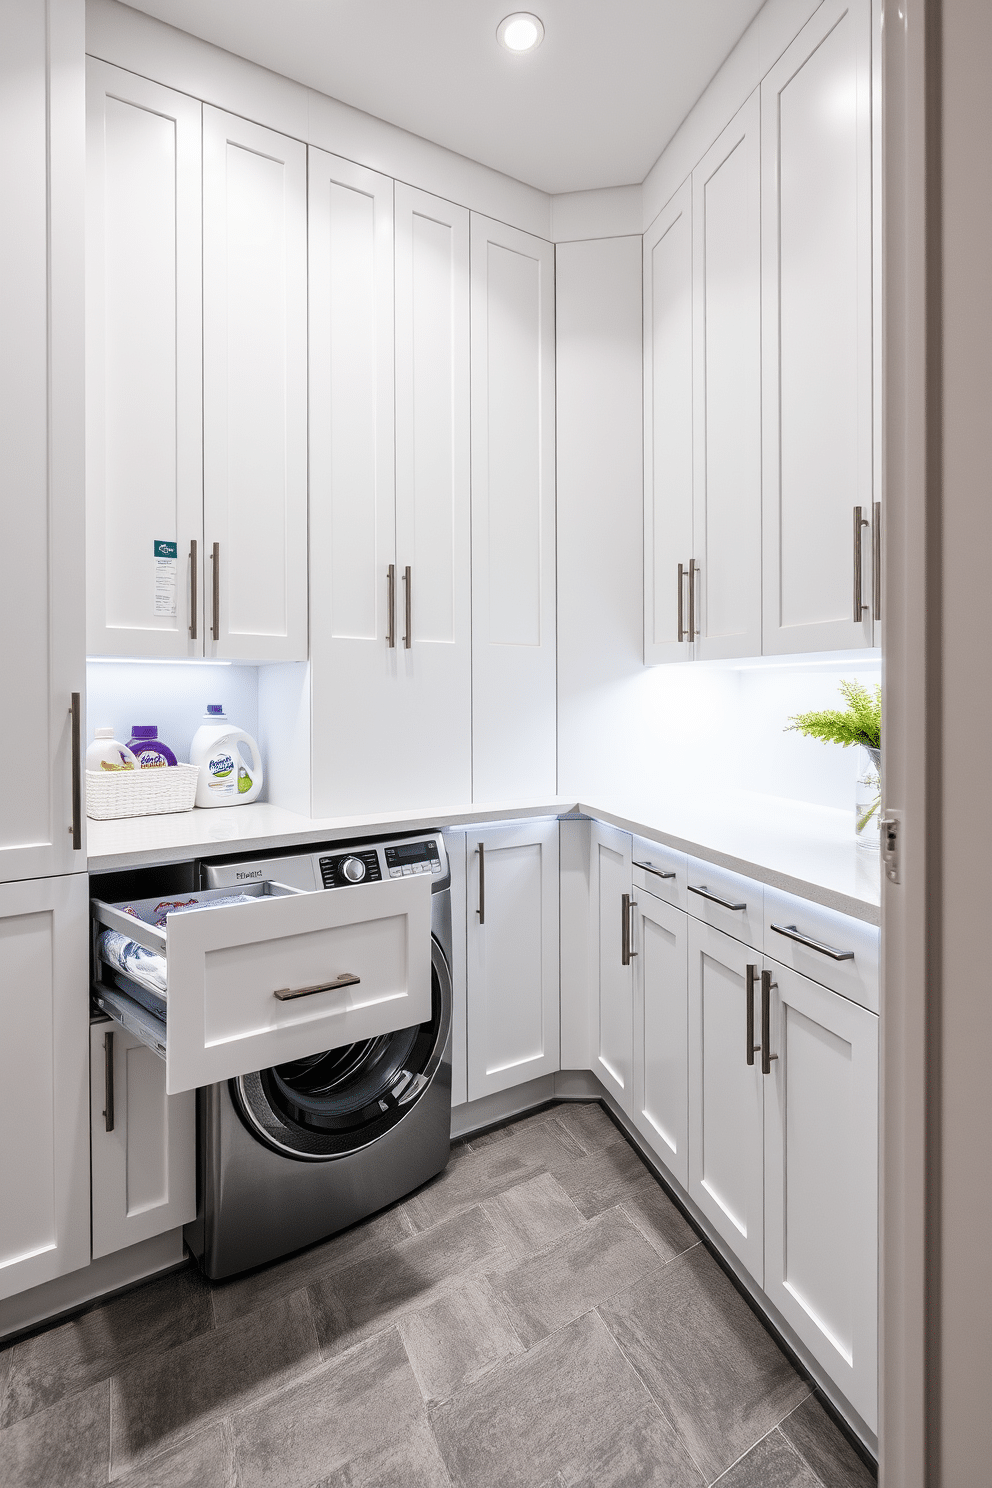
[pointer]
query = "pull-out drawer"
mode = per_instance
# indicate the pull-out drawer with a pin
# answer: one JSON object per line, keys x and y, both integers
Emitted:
{"x": 728, "y": 901}
{"x": 832, "y": 948}
{"x": 283, "y": 976}
{"x": 660, "y": 871}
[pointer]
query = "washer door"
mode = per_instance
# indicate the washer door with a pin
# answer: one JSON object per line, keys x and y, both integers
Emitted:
{"x": 340, "y": 1100}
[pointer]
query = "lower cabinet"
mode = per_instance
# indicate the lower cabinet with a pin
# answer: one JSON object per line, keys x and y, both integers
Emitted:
{"x": 611, "y": 892}
{"x": 726, "y": 1100}
{"x": 821, "y": 1178}
{"x": 142, "y": 1143}
{"x": 660, "y": 1025}
{"x": 512, "y": 955}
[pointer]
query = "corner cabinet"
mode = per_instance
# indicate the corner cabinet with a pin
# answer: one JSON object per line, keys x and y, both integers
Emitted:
{"x": 513, "y": 994}
{"x": 196, "y": 377}
{"x": 513, "y": 513}
{"x": 44, "y": 1011}
{"x": 761, "y": 531}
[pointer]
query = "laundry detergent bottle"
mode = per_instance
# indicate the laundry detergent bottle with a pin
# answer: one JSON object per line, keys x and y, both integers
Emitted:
{"x": 226, "y": 778}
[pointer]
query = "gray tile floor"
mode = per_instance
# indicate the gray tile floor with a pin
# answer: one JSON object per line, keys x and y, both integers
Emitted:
{"x": 541, "y": 1315}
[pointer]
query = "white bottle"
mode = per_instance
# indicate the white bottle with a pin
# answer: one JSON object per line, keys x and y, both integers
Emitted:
{"x": 224, "y": 779}
{"x": 108, "y": 753}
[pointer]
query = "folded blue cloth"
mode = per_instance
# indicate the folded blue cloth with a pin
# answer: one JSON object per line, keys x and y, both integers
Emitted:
{"x": 137, "y": 961}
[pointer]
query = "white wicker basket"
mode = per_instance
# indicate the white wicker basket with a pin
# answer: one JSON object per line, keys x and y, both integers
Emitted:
{"x": 153, "y": 792}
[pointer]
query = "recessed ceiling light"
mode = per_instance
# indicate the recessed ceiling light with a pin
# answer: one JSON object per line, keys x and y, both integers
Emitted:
{"x": 520, "y": 32}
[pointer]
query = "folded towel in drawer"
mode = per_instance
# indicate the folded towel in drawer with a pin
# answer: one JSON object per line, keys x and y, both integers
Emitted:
{"x": 145, "y": 966}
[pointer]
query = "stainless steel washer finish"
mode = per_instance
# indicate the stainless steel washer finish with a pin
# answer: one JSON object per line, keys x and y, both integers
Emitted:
{"x": 256, "y": 1204}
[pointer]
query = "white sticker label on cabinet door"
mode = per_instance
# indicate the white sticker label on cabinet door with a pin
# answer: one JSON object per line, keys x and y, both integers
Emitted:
{"x": 166, "y": 562}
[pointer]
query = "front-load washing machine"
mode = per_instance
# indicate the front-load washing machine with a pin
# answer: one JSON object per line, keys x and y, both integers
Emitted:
{"x": 292, "y": 1154}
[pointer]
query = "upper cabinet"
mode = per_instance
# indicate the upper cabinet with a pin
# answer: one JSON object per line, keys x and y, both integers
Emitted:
{"x": 41, "y": 438}
{"x": 389, "y": 491}
{"x": 143, "y": 366}
{"x": 761, "y": 531}
{"x": 513, "y": 512}
{"x": 254, "y": 390}
{"x": 196, "y": 379}
{"x": 817, "y": 347}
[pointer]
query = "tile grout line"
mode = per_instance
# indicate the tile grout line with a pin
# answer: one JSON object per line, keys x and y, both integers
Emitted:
{"x": 744, "y": 1454}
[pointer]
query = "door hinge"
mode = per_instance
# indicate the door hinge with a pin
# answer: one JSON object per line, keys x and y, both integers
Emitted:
{"x": 891, "y": 826}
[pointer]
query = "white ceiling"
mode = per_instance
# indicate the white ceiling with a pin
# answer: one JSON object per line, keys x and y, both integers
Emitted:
{"x": 594, "y": 105}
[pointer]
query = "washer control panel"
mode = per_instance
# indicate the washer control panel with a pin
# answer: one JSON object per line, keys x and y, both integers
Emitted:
{"x": 358, "y": 866}
{"x": 406, "y": 858}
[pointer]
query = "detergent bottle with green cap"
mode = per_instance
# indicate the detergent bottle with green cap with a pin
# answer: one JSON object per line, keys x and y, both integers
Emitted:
{"x": 229, "y": 761}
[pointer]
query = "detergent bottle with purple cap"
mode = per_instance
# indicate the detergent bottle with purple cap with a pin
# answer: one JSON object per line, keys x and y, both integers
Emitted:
{"x": 229, "y": 761}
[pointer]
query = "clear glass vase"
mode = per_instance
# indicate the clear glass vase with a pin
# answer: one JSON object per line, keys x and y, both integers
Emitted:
{"x": 868, "y": 799}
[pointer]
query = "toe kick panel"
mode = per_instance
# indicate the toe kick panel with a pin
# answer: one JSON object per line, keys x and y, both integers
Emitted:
{"x": 287, "y": 975}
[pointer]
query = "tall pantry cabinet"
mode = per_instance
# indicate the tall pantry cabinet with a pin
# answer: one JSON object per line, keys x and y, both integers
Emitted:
{"x": 43, "y": 900}
{"x": 196, "y": 378}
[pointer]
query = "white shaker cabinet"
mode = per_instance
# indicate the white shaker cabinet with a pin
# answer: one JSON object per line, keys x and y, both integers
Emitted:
{"x": 726, "y": 1100}
{"x": 513, "y": 1001}
{"x": 660, "y": 1030}
{"x": 513, "y": 513}
{"x": 726, "y": 403}
{"x": 142, "y": 1143}
{"x": 44, "y": 1012}
{"x": 144, "y": 415}
{"x": 610, "y": 1037}
{"x": 668, "y": 439}
{"x": 42, "y": 595}
{"x": 821, "y": 1179}
{"x": 817, "y": 335}
{"x": 254, "y": 391}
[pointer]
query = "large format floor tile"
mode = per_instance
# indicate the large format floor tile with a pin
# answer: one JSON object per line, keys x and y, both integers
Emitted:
{"x": 815, "y": 1437}
{"x": 569, "y": 1401}
{"x": 161, "y": 1398}
{"x": 68, "y": 1443}
{"x": 457, "y": 1337}
{"x": 705, "y": 1358}
{"x": 205, "y": 1460}
{"x": 99, "y": 1343}
{"x": 770, "y": 1464}
{"x": 532, "y": 1215}
{"x": 473, "y": 1176}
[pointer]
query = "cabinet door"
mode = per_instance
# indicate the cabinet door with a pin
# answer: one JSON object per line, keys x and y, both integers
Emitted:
{"x": 726, "y": 526}
{"x": 668, "y": 429}
{"x": 142, "y": 1144}
{"x": 44, "y": 1172}
{"x": 821, "y": 1180}
{"x": 144, "y": 481}
{"x": 513, "y": 513}
{"x": 433, "y": 502}
{"x": 817, "y": 333}
{"x": 611, "y": 1033}
{"x": 42, "y": 593}
{"x": 661, "y": 1011}
{"x": 254, "y": 390}
{"x": 726, "y": 1122}
{"x": 354, "y": 642}
{"x": 513, "y": 1002}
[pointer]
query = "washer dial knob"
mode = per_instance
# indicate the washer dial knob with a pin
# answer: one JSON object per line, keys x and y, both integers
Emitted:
{"x": 353, "y": 869}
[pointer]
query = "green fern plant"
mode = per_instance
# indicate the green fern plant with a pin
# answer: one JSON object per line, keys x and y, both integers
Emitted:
{"x": 859, "y": 723}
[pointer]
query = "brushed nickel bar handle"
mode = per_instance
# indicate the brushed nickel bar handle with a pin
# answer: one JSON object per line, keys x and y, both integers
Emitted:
{"x": 391, "y": 605}
{"x": 791, "y": 933}
{"x": 681, "y": 602}
{"x": 876, "y": 555}
{"x": 481, "y": 911}
{"x": 650, "y": 868}
{"x": 704, "y": 893}
{"x": 692, "y": 599}
{"x": 766, "y": 1022}
{"x": 77, "y": 779}
{"x": 624, "y": 929}
{"x": 346, "y": 979}
{"x": 408, "y": 638}
{"x": 215, "y": 556}
{"x": 108, "y": 1059}
{"x": 751, "y": 1048}
{"x": 859, "y": 606}
{"x": 192, "y": 589}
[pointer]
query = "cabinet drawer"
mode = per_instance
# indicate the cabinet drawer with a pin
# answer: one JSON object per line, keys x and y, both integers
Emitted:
{"x": 728, "y": 901}
{"x": 255, "y": 984}
{"x": 845, "y": 954}
{"x": 660, "y": 871}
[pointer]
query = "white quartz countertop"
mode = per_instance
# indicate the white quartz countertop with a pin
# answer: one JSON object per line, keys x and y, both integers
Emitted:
{"x": 805, "y": 850}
